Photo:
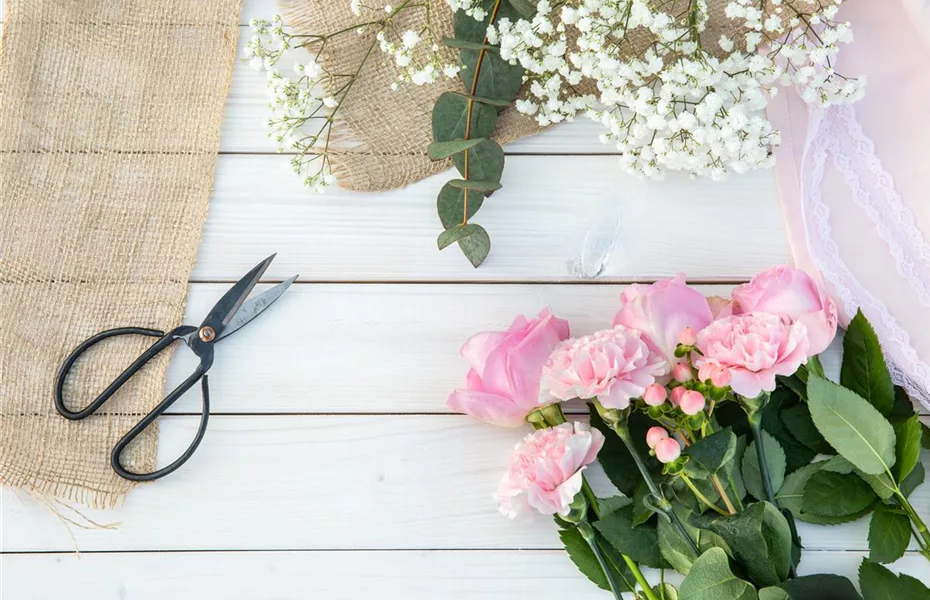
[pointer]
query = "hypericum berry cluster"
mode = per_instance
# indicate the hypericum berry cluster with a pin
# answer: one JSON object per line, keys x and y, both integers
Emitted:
{"x": 667, "y": 98}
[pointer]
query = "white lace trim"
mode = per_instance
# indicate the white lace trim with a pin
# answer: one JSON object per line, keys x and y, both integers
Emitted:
{"x": 907, "y": 369}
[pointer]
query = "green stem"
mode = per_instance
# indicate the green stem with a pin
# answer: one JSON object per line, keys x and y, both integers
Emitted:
{"x": 587, "y": 532}
{"x": 919, "y": 525}
{"x": 700, "y": 496}
{"x": 622, "y": 429}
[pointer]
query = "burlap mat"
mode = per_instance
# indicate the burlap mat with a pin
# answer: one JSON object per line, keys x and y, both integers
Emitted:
{"x": 110, "y": 114}
{"x": 382, "y": 135}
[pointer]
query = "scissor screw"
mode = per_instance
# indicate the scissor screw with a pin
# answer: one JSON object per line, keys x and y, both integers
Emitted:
{"x": 207, "y": 333}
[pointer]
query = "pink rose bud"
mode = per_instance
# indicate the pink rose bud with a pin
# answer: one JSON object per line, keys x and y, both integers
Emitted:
{"x": 721, "y": 378}
{"x": 677, "y": 393}
{"x": 687, "y": 337}
{"x": 655, "y": 435}
{"x": 668, "y": 450}
{"x": 706, "y": 371}
{"x": 682, "y": 372}
{"x": 692, "y": 402}
{"x": 655, "y": 394}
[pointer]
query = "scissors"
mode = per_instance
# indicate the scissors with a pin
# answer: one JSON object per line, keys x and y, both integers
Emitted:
{"x": 230, "y": 314}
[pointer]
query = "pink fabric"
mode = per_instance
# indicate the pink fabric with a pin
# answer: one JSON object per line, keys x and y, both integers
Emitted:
{"x": 857, "y": 201}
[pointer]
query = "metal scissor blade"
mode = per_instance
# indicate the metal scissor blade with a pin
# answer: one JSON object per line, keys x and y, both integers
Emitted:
{"x": 232, "y": 300}
{"x": 255, "y": 306}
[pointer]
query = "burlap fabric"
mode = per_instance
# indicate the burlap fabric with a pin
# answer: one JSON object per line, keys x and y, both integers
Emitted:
{"x": 382, "y": 135}
{"x": 110, "y": 113}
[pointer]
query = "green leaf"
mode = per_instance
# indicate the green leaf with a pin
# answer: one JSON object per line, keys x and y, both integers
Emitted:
{"x": 791, "y": 494}
{"x": 675, "y": 550}
{"x": 925, "y": 438}
{"x": 475, "y": 184}
{"x": 836, "y": 495}
{"x": 710, "y": 454}
{"x": 798, "y": 421}
{"x": 451, "y": 205}
{"x": 488, "y": 101}
{"x": 796, "y": 454}
{"x": 775, "y": 459}
{"x": 468, "y": 45}
{"x": 583, "y": 557}
{"x": 759, "y": 538}
{"x": 476, "y": 246}
{"x": 913, "y": 480}
{"x": 907, "y": 446}
{"x": 818, "y": 587}
{"x": 525, "y": 8}
{"x": 903, "y": 407}
{"x": 773, "y": 593}
{"x": 889, "y": 534}
{"x": 852, "y": 426}
{"x": 877, "y": 582}
{"x": 711, "y": 579}
{"x": 440, "y": 150}
{"x": 498, "y": 79}
{"x": 912, "y": 589}
{"x": 665, "y": 591}
{"x": 450, "y": 115}
{"x": 485, "y": 161}
{"x": 456, "y": 233}
{"x": 864, "y": 371}
{"x": 639, "y": 543}
{"x": 615, "y": 459}
{"x": 816, "y": 519}
{"x": 642, "y": 512}
{"x": 882, "y": 484}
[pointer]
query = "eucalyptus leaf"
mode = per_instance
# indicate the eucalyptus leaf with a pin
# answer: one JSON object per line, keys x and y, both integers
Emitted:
{"x": 836, "y": 495}
{"x": 889, "y": 534}
{"x": 456, "y": 233}
{"x": 485, "y": 161}
{"x": 497, "y": 79}
{"x": 907, "y": 446}
{"x": 710, "y": 454}
{"x": 759, "y": 538}
{"x": 451, "y": 205}
{"x": 775, "y": 459}
{"x": 864, "y": 371}
{"x": 450, "y": 116}
{"x": 475, "y": 184}
{"x": 488, "y": 101}
{"x": 773, "y": 593}
{"x": 476, "y": 246}
{"x": 711, "y": 579}
{"x": 852, "y": 426}
{"x": 468, "y": 44}
{"x": 440, "y": 150}
{"x": 525, "y": 8}
{"x": 639, "y": 543}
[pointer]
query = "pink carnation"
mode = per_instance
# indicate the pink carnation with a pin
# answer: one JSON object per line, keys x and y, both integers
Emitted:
{"x": 662, "y": 311}
{"x": 502, "y": 387}
{"x": 791, "y": 293}
{"x": 754, "y": 348}
{"x": 545, "y": 469}
{"x": 613, "y": 365}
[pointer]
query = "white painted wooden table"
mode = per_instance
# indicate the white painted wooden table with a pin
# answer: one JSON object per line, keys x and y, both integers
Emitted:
{"x": 331, "y": 468}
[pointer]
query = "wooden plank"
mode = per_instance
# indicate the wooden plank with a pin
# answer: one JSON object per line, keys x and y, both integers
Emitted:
{"x": 542, "y": 575}
{"x": 336, "y": 348}
{"x": 329, "y": 483}
{"x": 551, "y": 222}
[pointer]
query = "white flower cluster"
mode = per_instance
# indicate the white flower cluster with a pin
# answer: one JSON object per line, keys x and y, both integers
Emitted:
{"x": 417, "y": 65}
{"x": 669, "y": 98}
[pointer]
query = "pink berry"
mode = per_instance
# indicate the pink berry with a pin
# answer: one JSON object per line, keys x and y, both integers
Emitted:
{"x": 721, "y": 378}
{"x": 692, "y": 402}
{"x": 655, "y": 394}
{"x": 682, "y": 372}
{"x": 706, "y": 371}
{"x": 677, "y": 393}
{"x": 668, "y": 450}
{"x": 687, "y": 337}
{"x": 655, "y": 435}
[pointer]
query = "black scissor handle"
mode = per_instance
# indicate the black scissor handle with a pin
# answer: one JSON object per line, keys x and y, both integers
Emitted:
{"x": 205, "y": 351}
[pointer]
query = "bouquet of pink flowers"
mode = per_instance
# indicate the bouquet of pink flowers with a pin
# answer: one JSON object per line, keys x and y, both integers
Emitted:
{"x": 714, "y": 420}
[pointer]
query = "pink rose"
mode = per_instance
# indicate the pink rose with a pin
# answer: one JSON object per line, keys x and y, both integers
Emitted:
{"x": 545, "y": 469}
{"x": 790, "y": 292}
{"x": 613, "y": 365}
{"x": 502, "y": 387}
{"x": 754, "y": 347}
{"x": 662, "y": 311}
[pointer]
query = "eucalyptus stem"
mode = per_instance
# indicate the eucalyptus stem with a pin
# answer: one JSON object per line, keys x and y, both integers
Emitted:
{"x": 619, "y": 424}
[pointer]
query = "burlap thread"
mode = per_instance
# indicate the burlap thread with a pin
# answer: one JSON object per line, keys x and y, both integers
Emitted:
{"x": 110, "y": 115}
